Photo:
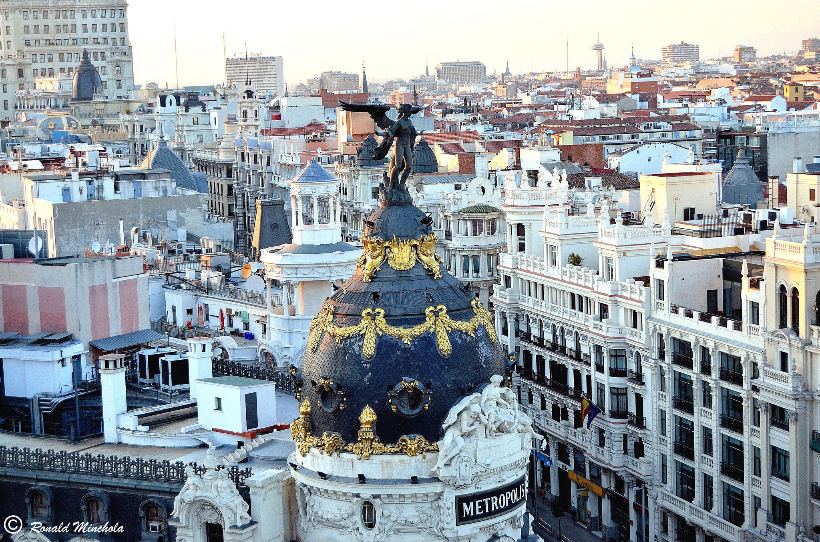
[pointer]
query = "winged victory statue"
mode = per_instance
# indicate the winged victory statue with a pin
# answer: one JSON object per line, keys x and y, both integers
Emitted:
{"x": 403, "y": 133}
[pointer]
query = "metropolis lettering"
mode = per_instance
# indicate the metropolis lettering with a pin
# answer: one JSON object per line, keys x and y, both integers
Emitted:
{"x": 491, "y": 503}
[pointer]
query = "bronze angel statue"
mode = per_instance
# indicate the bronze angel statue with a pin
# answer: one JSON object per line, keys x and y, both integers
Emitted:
{"x": 403, "y": 133}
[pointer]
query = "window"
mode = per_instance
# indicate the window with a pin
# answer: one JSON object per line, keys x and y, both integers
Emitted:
{"x": 780, "y": 511}
{"x": 368, "y": 515}
{"x": 732, "y": 504}
{"x": 811, "y": 194}
{"x": 39, "y": 505}
{"x": 706, "y": 432}
{"x": 601, "y": 438}
{"x": 685, "y": 482}
{"x": 754, "y": 313}
{"x": 218, "y": 403}
{"x": 93, "y": 510}
{"x": 662, "y": 422}
{"x": 553, "y": 256}
{"x": 755, "y": 461}
{"x": 706, "y": 395}
{"x": 664, "y": 477}
{"x": 780, "y": 463}
{"x": 618, "y": 405}
{"x": 708, "y": 492}
{"x": 782, "y": 307}
{"x": 784, "y": 362}
{"x": 689, "y": 213}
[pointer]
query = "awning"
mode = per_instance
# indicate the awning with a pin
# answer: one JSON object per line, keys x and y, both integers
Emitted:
{"x": 126, "y": 340}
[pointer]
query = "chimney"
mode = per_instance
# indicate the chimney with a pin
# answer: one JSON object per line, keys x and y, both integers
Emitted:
{"x": 112, "y": 383}
{"x": 122, "y": 232}
{"x": 797, "y": 165}
{"x": 199, "y": 362}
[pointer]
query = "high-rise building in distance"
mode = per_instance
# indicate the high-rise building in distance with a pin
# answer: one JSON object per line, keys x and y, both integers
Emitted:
{"x": 339, "y": 82}
{"x": 43, "y": 41}
{"x": 462, "y": 72}
{"x": 744, "y": 53}
{"x": 265, "y": 73}
{"x": 675, "y": 53}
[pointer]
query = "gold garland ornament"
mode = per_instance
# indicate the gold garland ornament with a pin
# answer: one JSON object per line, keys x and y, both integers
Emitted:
{"x": 373, "y": 324}
{"x": 367, "y": 443}
{"x": 400, "y": 255}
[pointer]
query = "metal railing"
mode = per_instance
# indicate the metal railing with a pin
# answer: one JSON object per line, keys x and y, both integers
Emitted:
{"x": 731, "y": 423}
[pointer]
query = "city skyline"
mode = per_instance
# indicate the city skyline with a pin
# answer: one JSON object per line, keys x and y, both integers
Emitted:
{"x": 343, "y": 38}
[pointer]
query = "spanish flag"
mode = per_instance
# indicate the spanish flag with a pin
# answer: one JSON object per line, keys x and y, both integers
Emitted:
{"x": 589, "y": 410}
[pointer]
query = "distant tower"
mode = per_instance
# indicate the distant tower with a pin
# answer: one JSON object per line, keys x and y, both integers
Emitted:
{"x": 507, "y": 70}
{"x": 426, "y": 69}
{"x": 364, "y": 79}
{"x": 599, "y": 50}
{"x": 632, "y": 60}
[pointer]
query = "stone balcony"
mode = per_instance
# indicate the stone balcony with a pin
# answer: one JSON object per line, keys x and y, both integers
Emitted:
{"x": 778, "y": 381}
{"x": 695, "y": 514}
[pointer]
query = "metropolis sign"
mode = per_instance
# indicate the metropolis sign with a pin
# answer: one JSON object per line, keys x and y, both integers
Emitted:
{"x": 491, "y": 503}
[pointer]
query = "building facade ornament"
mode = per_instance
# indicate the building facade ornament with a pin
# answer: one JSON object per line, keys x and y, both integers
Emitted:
{"x": 374, "y": 323}
{"x": 211, "y": 498}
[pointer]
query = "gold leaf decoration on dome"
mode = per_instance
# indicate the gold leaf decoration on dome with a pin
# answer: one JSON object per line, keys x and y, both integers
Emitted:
{"x": 414, "y": 445}
{"x": 400, "y": 255}
{"x": 373, "y": 324}
{"x": 367, "y": 443}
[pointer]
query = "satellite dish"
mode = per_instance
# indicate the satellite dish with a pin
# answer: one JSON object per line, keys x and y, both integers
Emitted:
{"x": 35, "y": 246}
{"x": 96, "y": 247}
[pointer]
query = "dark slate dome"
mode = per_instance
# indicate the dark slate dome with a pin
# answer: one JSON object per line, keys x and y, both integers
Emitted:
{"x": 424, "y": 159}
{"x": 741, "y": 185}
{"x": 409, "y": 379}
{"x": 364, "y": 156}
{"x": 87, "y": 80}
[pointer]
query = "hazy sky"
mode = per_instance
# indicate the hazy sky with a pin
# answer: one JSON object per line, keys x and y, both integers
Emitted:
{"x": 395, "y": 37}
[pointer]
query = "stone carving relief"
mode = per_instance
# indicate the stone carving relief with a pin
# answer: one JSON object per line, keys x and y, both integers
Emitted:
{"x": 211, "y": 498}
{"x": 478, "y": 418}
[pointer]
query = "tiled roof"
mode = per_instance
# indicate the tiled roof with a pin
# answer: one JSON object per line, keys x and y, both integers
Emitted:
{"x": 308, "y": 129}
{"x": 314, "y": 173}
{"x": 162, "y": 157}
{"x": 608, "y": 178}
{"x": 480, "y": 209}
{"x": 126, "y": 340}
{"x": 451, "y": 148}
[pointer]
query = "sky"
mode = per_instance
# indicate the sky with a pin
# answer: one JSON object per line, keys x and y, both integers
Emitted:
{"x": 396, "y": 38}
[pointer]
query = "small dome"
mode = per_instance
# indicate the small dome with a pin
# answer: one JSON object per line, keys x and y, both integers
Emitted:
{"x": 364, "y": 157}
{"x": 424, "y": 159}
{"x": 87, "y": 80}
{"x": 314, "y": 173}
{"x": 741, "y": 185}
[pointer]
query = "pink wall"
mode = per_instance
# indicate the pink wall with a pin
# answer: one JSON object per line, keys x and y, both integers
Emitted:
{"x": 129, "y": 306}
{"x": 98, "y": 301}
{"x": 15, "y": 308}
{"x": 52, "y": 308}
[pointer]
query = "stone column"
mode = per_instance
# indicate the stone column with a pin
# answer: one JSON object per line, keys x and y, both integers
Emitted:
{"x": 632, "y": 495}
{"x": 554, "y": 470}
{"x": 269, "y": 303}
{"x": 606, "y": 510}
{"x": 794, "y": 472}
{"x": 315, "y": 203}
{"x": 765, "y": 467}
{"x": 748, "y": 501}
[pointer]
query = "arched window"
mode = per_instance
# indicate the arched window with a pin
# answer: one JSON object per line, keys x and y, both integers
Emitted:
{"x": 39, "y": 505}
{"x": 93, "y": 508}
{"x": 782, "y": 308}
{"x": 795, "y": 310}
{"x": 368, "y": 515}
{"x": 153, "y": 517}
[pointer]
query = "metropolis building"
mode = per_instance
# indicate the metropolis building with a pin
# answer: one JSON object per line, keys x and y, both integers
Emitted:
{"x": 405, "y": 431}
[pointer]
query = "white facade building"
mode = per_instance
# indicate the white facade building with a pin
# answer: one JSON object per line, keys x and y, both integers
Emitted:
{"x": 46, "y": 39}
{"x": 266, "y": 73}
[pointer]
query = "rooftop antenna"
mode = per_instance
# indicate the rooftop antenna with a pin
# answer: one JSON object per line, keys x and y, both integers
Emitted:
{"x": 176, "y": 56}
{"x": 224, "y": 50}
{"x": 567, "y": 53}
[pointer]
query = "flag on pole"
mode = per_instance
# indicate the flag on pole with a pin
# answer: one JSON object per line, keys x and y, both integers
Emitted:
{"x": 589, "y": 411}
{"x": 540, "y": 456}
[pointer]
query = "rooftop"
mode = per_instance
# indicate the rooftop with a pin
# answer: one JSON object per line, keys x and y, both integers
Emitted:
{"x": 236, "y": 381}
